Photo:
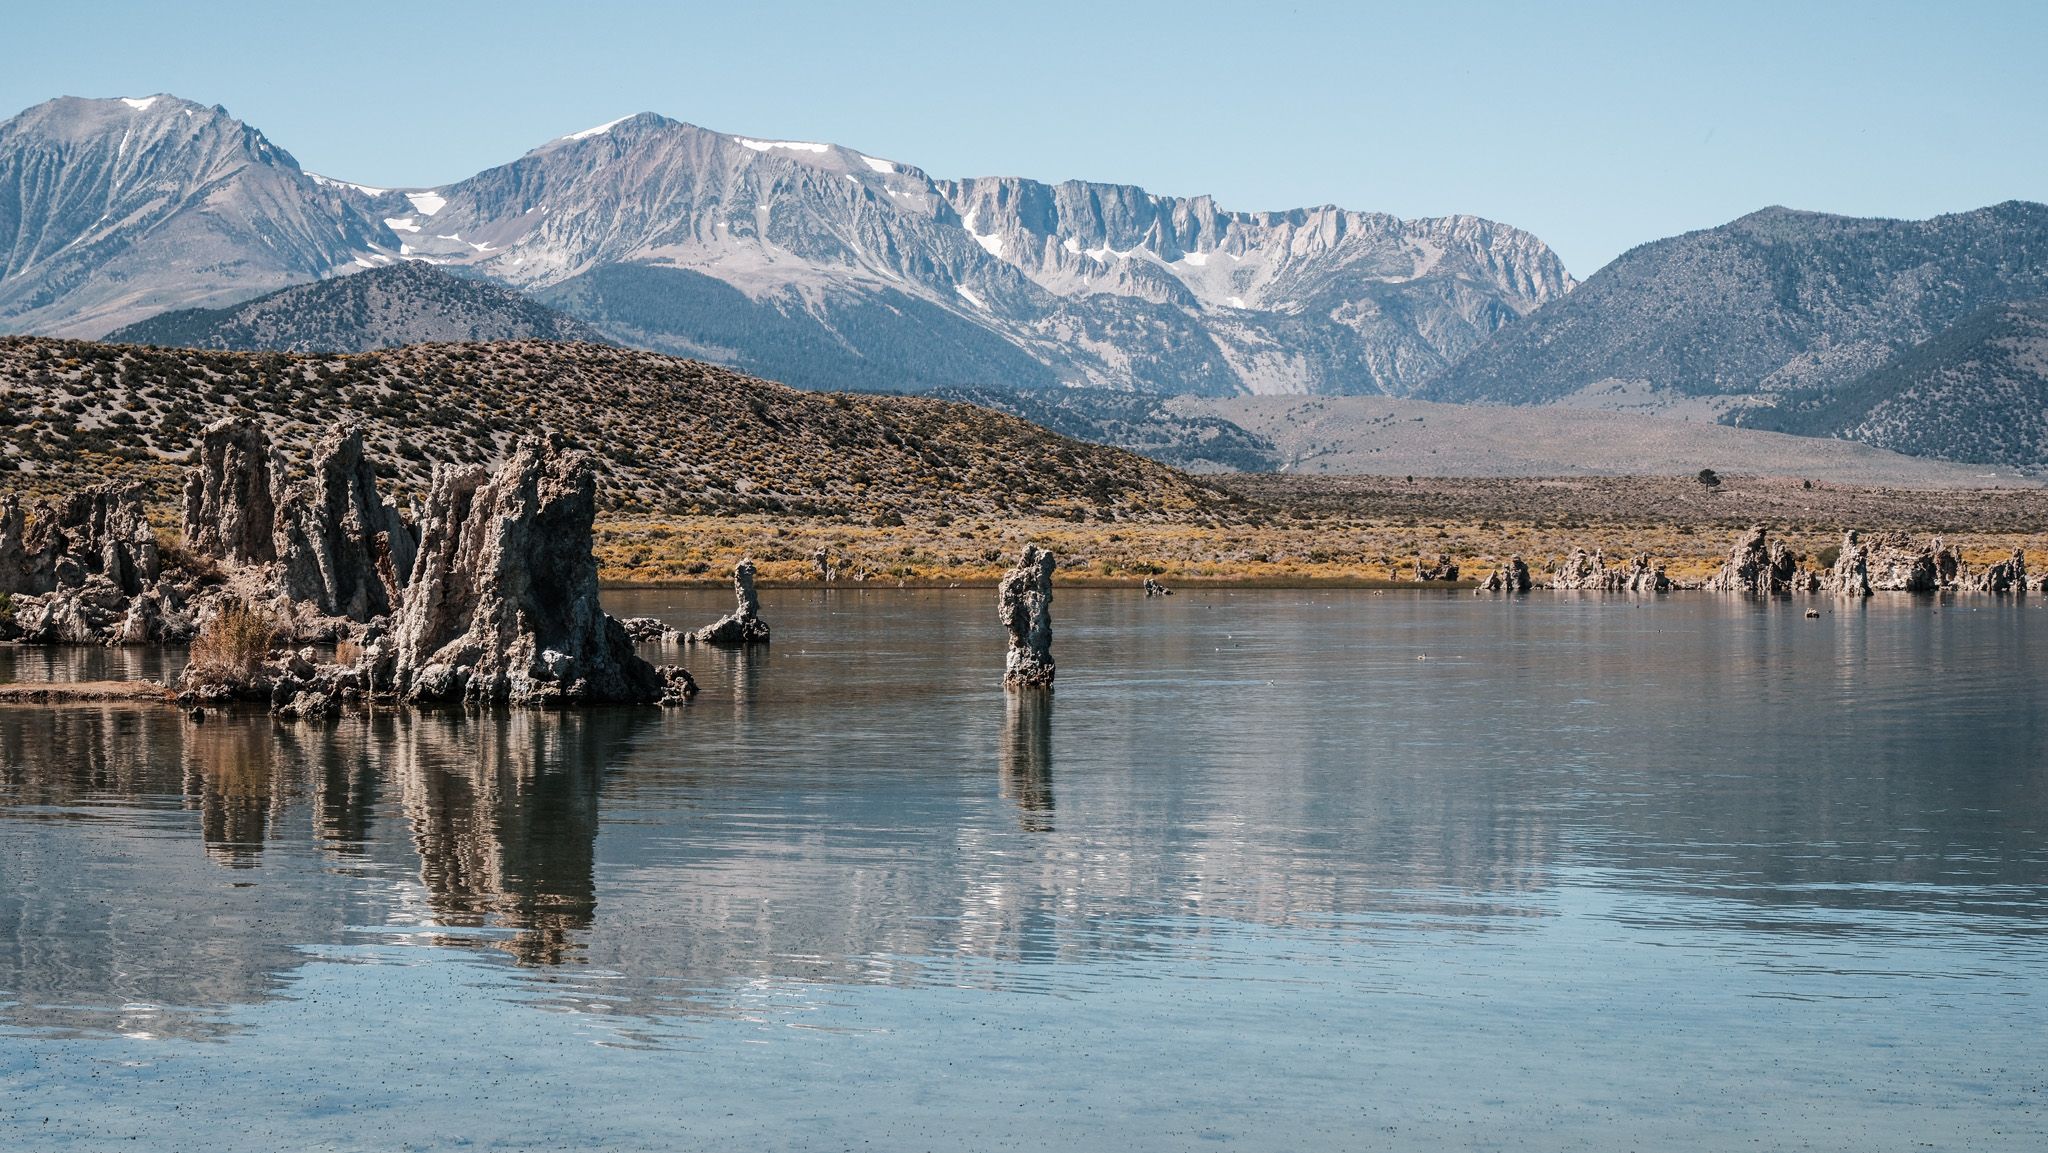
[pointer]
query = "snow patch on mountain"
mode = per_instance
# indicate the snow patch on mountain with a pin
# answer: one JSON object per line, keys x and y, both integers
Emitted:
{"x": 428, "y": 203}
{"x": 600, "y": 130}
{"x": 792, "y": 145}
{"x": 140, "y": 103}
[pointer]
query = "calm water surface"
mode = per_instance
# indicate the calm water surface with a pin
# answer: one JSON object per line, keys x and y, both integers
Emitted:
{"x": 1282, "y": 870}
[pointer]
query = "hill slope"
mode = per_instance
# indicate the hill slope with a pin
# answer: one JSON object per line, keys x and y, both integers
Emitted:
{"x": 405, "y": 303}
{"x": 1776, "y": 301}
{"x": 667, "y": 435}
{"x": 1978, "y": 391}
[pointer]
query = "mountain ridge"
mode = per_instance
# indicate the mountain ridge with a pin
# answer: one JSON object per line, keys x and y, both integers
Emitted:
{"x": 1779, "y": 300}
{"x": 1098, "y": 284}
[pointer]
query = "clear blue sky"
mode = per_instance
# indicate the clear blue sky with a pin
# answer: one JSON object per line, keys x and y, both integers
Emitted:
{"x": 1596, "y": 126}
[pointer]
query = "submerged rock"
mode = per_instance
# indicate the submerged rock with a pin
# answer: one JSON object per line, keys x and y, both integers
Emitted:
{"x": 231, "y": 494}
{"x": 743, "y": 625}
{"x": 652, "y": 630}
{"x": 1024, "y": 603}
{"x": 340, "y": 547}
{"x": 503, "y": 602}
{"x": 1512, "y": 576}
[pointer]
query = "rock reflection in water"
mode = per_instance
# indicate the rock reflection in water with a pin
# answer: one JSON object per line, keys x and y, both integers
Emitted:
{"x": 503, "y": 809}
{"x": 234, "y": 779}
{"x": 1027, "y": 758}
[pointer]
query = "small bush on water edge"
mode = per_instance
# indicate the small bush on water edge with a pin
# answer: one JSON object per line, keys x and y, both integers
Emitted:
{"x": 6, "y": 608}
{"x": 232, "y": 644}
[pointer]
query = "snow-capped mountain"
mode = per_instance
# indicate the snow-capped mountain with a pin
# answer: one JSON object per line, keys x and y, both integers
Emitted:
{"x": 113, "y": 210}
{"x": 824, "y": 265}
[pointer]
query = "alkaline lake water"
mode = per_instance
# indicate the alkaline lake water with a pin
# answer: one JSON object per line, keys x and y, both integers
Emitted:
{"x": 1281, "y": 870}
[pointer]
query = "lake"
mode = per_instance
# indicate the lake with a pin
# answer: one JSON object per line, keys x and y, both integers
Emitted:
{"x": 1274, "y": 870}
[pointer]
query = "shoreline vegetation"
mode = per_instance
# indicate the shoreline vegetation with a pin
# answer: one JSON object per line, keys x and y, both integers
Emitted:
{"x": 1338, "y": 532}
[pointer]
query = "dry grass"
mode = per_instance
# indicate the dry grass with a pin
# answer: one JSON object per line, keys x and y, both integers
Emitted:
{"x": 232, "y": 645}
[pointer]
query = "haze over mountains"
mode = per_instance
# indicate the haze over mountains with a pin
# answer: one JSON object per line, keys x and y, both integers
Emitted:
{"x": 163, "y": 221}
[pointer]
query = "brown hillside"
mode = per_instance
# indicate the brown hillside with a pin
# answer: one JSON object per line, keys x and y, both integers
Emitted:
{"x": 668, "y": 435}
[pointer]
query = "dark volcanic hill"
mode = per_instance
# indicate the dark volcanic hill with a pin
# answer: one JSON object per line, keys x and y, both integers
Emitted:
{"x": 666, "y": 434}
{"x": 1976, "y": 392}
{"x": 405, "y": 303}
{"x": 1777, "y": 301}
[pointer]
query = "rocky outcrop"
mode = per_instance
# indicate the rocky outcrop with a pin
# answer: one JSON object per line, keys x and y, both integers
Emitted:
{"x": 86, "y": 571}
{"x": 1512, "y": 576}
{"x": 1850, "y": 575}
{"x": 27, "y": 560}
{"x": 1590, "y": 571}
{"x": 231, "y": 494}
{"x": 503, "y": 603}
{"x": 653, "y": 630}
{"x": 1445, "y": 569}
{"x": 1757, "y": 565}
{"x": 2006, "y": 576}
{"x": 1024, "y": 603}
{"x": 340, "y": 547}
{"x": 743, "y": 625}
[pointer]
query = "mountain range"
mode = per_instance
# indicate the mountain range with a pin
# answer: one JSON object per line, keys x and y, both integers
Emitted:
{"x": 158, "y": 220}
{"x": 1776, "y": 302}
{"x": 815, "y": 263}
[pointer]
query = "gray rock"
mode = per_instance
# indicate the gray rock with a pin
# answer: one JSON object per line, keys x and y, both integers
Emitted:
{"x": 1757, "y": 565}
{"x": 231, "y": 494}
{"x": 1024, "y": 604}
{"x": 1590, "y": 571}
{"x": 742, "y": 626}
{"x": 1512, "y": 576}
{"x": 1850, "y": 575}
{"x": 2006, "y": 576}
{"x": 1443, "y": 570}
{"x": 1154, "y": 589}
{"x": 503, "y": 603}
{"x": 652, "y": 630}
{"x": 341, "y": 547}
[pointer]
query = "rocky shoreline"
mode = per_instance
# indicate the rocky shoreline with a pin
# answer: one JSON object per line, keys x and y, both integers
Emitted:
{"x": 486, "y": 595}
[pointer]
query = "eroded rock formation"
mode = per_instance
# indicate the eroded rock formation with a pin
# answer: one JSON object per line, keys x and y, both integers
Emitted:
{"x": 1512, "y": 576}
{"x": 85, "y": 571}
{"x": 1024, "y": 603}
{"x": 231, "y": 494}
{"x": 340, "y": 547}
{"x": 1590, "y": 571}
{"x": 503, "y": 602}
{"x": 743, "y": 625}
{"x": 2006, "y": 576}
{"x": 1445, "y": 569}
{"x": 1757, "y": 565}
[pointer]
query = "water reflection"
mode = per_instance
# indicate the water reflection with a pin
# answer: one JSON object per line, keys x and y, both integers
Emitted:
{"x": 503, "y": 813}
{"x": 1027, "y": 758}
{"x": 830, "y": 818}
{"x": 237, "y": 783}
